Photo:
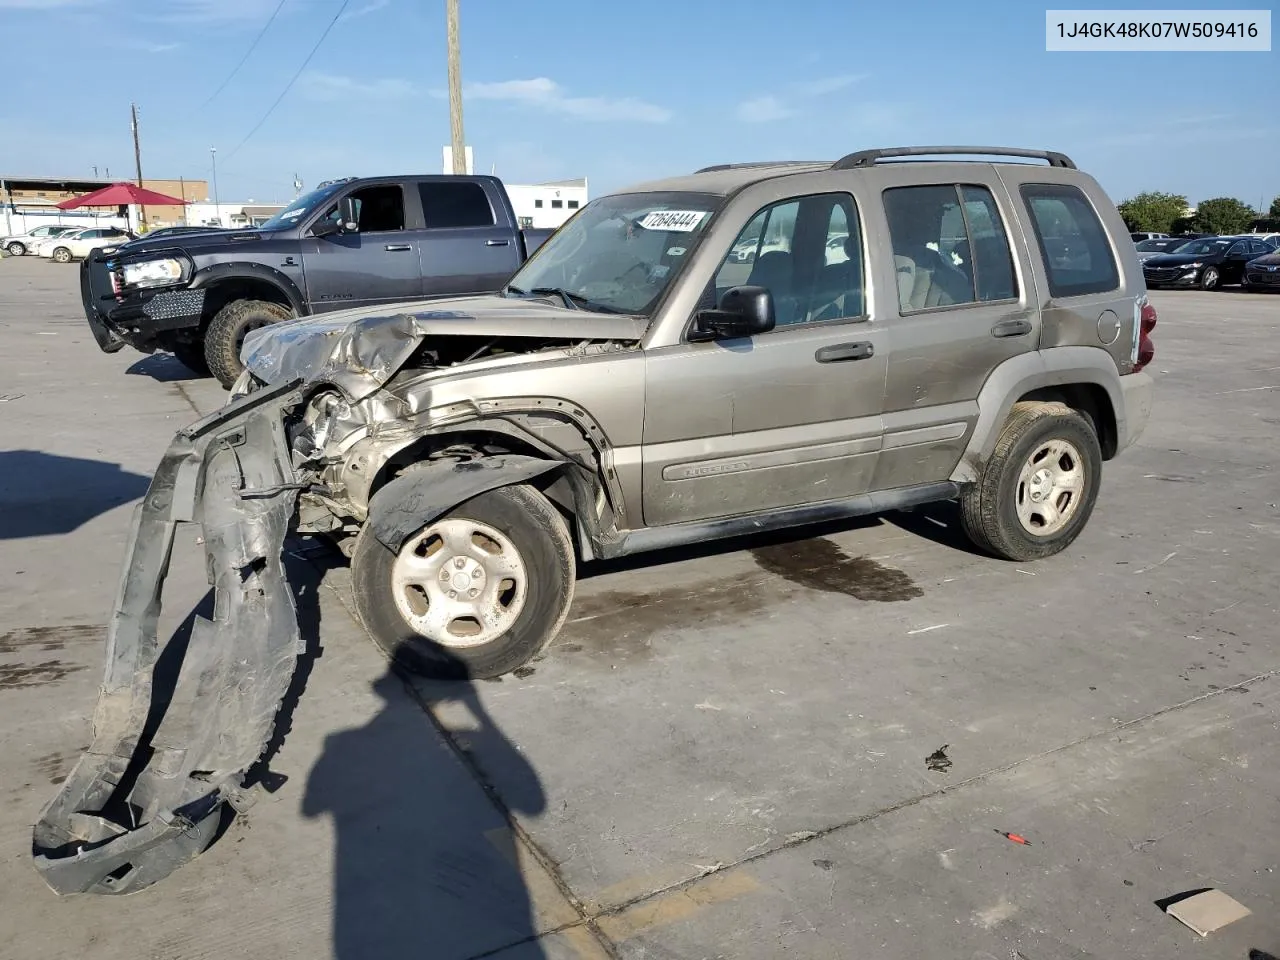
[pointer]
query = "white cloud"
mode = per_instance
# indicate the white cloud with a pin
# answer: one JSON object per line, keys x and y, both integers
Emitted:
{"x": 215, "y": 11}
{"x": 329, "y": 86}
{"x": 763, "y": 110}
{"x": 372, "y": 7}
{"x": 545, "y": 94}
{"x": 824, "y": 85}
{"x": 43, "y": 4}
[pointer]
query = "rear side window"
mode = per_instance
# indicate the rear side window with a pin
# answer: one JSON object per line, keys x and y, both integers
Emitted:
{"x": 950, "y": 247}
{"x": 1073, "y": 243}
{"x": 455, "y": 204}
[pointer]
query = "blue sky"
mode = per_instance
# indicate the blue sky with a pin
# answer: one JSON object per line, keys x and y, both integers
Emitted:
{"x": 617, "y": 92}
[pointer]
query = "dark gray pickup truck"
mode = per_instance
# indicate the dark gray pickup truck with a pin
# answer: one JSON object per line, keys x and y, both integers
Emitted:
{"x": 348, "y": 243}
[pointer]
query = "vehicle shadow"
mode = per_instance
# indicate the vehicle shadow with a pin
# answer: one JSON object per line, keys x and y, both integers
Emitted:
{"x": 44, "y": 493}
{"x": 425, "y": 860}
{"x": 939, "y": 522}
{"x": 164, "y": 368}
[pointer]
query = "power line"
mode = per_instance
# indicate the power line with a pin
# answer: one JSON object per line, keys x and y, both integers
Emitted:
{"x": 292, "y": 80}
{"x": 243, "y": 60}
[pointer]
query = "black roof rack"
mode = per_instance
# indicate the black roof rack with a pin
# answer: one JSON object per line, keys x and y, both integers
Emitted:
{"x": 867, "y": 158}
{"x": 761, "y": 163}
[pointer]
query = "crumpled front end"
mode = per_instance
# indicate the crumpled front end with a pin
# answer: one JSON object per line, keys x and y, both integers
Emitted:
{"x": 168, "y": 755}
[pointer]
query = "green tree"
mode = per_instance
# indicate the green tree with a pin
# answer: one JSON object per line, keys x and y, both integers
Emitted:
{"x": 1152, "y": 212}
{"x": 1274, "y": 212}
{"x": 1224, "y": 215}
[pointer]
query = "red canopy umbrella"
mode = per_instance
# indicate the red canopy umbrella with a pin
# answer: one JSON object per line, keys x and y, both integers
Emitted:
{"x": 118, "y": 194}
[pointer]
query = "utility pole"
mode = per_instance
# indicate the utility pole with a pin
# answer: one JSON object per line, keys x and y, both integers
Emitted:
{"x": 455, "y": 90}
{"x": 213, "y": 153}
{"x": 137, "y": 159}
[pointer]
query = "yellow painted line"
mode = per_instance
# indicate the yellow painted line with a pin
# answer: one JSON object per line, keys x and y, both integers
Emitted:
{"x": 677, "y": 905}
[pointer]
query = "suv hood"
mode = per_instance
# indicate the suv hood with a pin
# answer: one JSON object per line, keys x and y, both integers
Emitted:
{"x": 360, "y": 350}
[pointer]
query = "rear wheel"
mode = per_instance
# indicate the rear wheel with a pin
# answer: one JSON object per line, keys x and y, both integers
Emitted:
{"x": 16, "y": 249}
{"x": 1038, "y": 488}
{"x": 1210, "y": 279}
{"x": 226, "y": 332}
{"x": 62, "y": 255}
{"x": 475, "y": 593}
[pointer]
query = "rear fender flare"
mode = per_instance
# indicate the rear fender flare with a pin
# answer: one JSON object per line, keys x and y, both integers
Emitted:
{"x": 1022, "y": 374}
{"x": 417, "y": 497}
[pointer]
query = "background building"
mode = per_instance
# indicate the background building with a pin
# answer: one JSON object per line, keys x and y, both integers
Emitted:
{"x": 29, "y": 202}
{"x": 232, "y": 214}
{"x": 547, "y": 205}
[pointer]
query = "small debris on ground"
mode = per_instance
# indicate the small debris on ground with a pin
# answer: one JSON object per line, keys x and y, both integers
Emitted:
{"x": 938, "y": 761}
{"x": 1014, "y": 837}
{"x": 823, "y": 864}
{"x": 521, "y": 672}
{"x": 1208, "y": 911}
{"x": 6, "y": 397}
{"x": 800, "y": 836}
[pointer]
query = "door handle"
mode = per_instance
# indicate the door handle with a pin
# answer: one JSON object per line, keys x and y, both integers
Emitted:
{"x": 397, "y": 247}
{"x": 1011, "y": 328}
{"x": 840, "y": 352}
{"x": 497, "y": 243}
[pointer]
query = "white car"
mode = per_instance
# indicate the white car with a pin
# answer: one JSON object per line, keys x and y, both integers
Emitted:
{"x": 77, "y": 245}
{"x": 22, "y": 243}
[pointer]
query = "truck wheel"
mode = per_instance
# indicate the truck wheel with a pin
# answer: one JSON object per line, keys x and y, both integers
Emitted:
{"x": 190, "y": 354}
{"x": 476, "y": 593}
{"x": 62, "y": 255}
{"x": 1038, "y": 488}
{"x": 16, "y": 249}
{"x": 226, "y": 332}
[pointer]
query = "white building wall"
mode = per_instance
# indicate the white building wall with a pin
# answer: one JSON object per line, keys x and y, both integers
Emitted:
{"x": 230, "y": 214}
{"x": 547, "y": 205}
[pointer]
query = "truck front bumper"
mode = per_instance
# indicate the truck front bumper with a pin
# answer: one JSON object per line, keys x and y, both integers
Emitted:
{"x": 171, "y": 748}
{"x": 139, "y": 319}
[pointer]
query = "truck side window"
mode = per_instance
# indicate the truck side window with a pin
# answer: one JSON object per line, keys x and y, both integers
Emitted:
{"x": 1077, "y": 256}
{"x": 378, "y": 209}
{"x": 453, "y": 203}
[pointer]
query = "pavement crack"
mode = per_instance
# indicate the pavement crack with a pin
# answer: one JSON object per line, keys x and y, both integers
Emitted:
{"x": 182, "y": 392}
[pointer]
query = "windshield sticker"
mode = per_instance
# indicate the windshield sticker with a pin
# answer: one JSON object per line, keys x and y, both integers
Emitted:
{"x": 679, "y": 221}
{"x": 675, "y": 251}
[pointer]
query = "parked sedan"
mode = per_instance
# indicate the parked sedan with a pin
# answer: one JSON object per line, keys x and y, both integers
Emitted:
{"x": 1152, "y": 248}
{"x": 1139, "y": 237}
{"x": 66, "y": 248}
{"x": 1207, "y": 263}
{"x": 1263, "y": 273}
{"x": 22, "y": 243}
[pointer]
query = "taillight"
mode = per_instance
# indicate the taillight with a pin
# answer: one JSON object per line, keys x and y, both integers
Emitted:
{"x": 1147, "y": 323}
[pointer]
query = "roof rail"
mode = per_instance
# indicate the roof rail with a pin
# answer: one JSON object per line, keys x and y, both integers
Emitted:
{"x": 867, "y": 158}
{"x": 761, "y": 163}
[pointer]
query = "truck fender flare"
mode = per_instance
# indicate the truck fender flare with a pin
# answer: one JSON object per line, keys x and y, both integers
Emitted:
{"x": 1017, "y": 377}
{"x": 418, "y": 496}
{"x": 221, "y": 272}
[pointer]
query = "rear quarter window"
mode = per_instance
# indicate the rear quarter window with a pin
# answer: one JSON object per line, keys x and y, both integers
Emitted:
{"x": 1073, "y": 243}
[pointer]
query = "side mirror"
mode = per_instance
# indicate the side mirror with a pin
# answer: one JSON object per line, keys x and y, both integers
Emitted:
{"x": 743, "y": 312}
{"x": 348, "y": 220}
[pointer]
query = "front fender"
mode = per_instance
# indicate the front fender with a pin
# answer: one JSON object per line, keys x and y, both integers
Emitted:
{"x": 248, "y": 270}
{"x": 430, "y": 490}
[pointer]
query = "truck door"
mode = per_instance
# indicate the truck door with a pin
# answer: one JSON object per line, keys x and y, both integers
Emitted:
{"x": 466, "y": 245}
{"x": 376, "y": 264}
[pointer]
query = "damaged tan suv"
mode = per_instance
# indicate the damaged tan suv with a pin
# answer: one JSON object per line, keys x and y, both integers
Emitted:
{"x": 745, "y": 348}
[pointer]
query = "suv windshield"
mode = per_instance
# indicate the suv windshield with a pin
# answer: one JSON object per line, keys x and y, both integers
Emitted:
{"x": 1202, "y": 246}
{"x": 619, "y": 254}
{"x": 304, "y": 205}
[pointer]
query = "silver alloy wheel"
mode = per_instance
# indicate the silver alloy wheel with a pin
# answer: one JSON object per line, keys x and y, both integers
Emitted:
{"x": 1210, "y": 278}
{"x": 62, "y": 255}
{"x": 460, "y": 583}
{"x": 16, "y": 249}
{"x": 1050, "y": 487}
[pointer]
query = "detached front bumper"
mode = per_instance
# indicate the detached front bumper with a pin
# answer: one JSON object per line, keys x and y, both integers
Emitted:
{"x": 138, "y": 319}
{"x": 171, "y": 747}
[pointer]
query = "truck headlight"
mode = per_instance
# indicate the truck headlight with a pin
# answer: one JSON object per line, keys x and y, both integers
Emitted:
{"x": 152, "y": 273}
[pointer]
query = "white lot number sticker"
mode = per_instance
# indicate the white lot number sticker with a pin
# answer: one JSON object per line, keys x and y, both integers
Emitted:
{"x": 679, "y": 221}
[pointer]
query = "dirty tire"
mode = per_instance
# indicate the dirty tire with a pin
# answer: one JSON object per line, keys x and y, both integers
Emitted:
{"x": 62, "y": 255}
{"x": 226, "y": 332}
{"x": 1210, "y": 278}
{"x": 191, "y": 355}
{"x": 540, "y": 535}
{"x": 16, "y": 249}
{"x": 988, "y": 508}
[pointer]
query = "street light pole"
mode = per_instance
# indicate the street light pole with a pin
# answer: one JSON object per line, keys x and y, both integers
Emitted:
{"x": 455, "y": 90}
{"x": 213, "y": 153}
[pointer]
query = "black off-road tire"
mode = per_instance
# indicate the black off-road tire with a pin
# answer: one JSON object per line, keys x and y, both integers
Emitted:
{"x": 537, "y": 531}
{"x": 190, "y": 354}
{"x": 225, "y": 334}
{"x": 1211, "y": 279}
{"x": 988, "y": 508}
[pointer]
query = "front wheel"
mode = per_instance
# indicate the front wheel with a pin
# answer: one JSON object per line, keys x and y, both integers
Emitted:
{"x": 62, "y": 255}
{"x": 16, "y": 249}
{"x": 226, "y": 332}
{"x": 1039, "y": 486}
{"x": 476, "y": 593}
{"x": 1210, "y": 279}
